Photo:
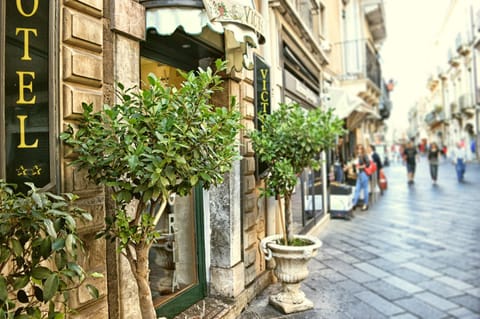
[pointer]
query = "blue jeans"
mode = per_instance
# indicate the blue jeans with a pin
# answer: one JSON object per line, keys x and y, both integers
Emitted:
{"x": 434, "y": 171}
{"x": 339, "y": 176}
{"x": 361, "y": 184}
{"x": 460, "y": 168}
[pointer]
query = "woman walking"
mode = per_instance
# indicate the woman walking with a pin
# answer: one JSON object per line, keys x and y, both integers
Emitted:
{"x": 360, "y": 163}
{"x": 433, "y": 157}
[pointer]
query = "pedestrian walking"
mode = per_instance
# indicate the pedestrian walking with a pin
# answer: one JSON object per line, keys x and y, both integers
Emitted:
{"x": 373, "y": 155}
{"x": 339, "y": 162}
{"x": 459, "y": 158}
{"x": 360, "y": 162}
{"x": 410, "y": 157}
{"x": 433, "y": 160}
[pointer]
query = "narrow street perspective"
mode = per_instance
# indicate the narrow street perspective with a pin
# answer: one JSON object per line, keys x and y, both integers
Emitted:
{"x": 239, "y": 159}
{"x": 414, "y": 254}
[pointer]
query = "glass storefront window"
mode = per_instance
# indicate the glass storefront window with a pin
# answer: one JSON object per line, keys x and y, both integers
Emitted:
{"x": 173, "y": 258}
{"x": 307, "y": 199}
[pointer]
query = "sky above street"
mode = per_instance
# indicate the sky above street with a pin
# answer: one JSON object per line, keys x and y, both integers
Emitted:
{"x": 412, "y": 29}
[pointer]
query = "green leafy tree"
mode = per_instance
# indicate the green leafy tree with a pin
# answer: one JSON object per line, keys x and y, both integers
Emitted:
{"x": 39, "y": 247}
{"x": 153, "y": 144}
{"x": 290, "y": 140}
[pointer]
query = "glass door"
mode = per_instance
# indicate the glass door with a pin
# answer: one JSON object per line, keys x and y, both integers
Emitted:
{"x": 177, "y": 262}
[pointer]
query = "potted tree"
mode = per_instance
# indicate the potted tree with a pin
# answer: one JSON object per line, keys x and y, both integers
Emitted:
{"x": 154, "y": 144}
{"x": 39, "y": 253}
{"x": 289, "y": 141}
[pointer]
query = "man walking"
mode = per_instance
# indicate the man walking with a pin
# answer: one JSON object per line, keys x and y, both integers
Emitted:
{"x": 410, "y": 156}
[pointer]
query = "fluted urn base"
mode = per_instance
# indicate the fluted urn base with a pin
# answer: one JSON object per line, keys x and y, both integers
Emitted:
{"x": 291, "y": 299}
{"x": 291, "y": 269}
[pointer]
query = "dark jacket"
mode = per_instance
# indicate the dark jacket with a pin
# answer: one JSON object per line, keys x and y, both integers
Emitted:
{"x": 377, "y": 160}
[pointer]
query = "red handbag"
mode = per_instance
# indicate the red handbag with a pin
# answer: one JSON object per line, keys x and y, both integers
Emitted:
{"x": 370, "y": 169}
{"x": 383, "y": 183}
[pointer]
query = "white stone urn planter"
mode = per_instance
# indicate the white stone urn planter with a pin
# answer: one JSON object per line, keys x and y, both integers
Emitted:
{"x": 290, "y": 269}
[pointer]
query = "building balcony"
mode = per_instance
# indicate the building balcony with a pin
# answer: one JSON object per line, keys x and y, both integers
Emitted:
{"x": 432, "y": 82}
{"x": 453, "y": 58}
{"x": 434, "y": 118}
{"x": 375, "y": 16}
{"x": 442, "y": 74}
{"x": 463, "y": 47}
{"x": 466, "y": 105}
{"x": 454, "y": 61}
{"x": 361, "y": 69}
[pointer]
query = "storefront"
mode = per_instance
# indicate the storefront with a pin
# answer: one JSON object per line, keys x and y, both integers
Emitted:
{"x": 301, "y": 83}
{"x": 56, "y": 55}
{"x": 177, "y": 260}
{"x": 187, "y": 35}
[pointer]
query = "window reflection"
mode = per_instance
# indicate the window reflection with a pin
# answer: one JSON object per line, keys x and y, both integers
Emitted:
{"x": 173, "y": 261}
{"x": 172, "y": 257}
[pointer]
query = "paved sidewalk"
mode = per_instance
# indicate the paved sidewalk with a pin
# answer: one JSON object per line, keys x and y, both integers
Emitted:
{"x": 414, "y": 254}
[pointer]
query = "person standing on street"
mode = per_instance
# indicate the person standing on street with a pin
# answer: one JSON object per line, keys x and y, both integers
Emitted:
{"x": 376, "y": 158}
{"x": 410, "y": 157}
{"x": 339, "y": 162}
{"x": 459, "y": 157}
{"x": 361, "y": 161}
{"x": 433, "y": 158}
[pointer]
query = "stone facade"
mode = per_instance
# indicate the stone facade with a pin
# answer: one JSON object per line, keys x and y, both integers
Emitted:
{"x": 99, "y": 43}
{"x": 81, "y": 77}
{"x": 233, "y": 208}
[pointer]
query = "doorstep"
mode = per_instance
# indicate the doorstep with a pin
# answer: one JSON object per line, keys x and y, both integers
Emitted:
{"x": 217, "y": 308}
{"x": 208, "y": 308}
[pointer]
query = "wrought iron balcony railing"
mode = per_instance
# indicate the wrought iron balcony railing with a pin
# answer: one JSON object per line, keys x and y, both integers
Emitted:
{"x": 359, "y": 61}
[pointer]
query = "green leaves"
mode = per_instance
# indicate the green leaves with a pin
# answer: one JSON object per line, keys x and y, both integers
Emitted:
{"x": 51, "y": 286}
{"x": 41, "y": 273}
{"x": 291, "y": 139}
{"x": 157, "y": 141}
{"x": 39, "y": 249}
{"x": 3, "y": 289}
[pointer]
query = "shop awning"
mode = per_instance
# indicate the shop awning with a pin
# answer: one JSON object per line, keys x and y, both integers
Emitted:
{"x": 240, "y": 23}
{"x": 348, "y": 106}
{"x": 339, "y": 101}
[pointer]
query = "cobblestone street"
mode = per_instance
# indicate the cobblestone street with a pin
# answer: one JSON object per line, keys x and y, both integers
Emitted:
{"x": 414, "y": 254}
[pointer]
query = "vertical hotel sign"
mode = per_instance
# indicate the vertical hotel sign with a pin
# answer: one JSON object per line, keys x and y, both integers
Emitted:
{"x": 27, "y": 154}
{"x": 262, "y": 87}
{"x": 262, "y": 98}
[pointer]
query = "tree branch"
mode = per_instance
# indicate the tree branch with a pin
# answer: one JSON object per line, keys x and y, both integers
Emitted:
{"x": 160, "y": 211}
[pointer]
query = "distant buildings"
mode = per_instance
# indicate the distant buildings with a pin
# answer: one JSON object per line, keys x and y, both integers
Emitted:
{"x": 57, "y": 54}
{"x": 450, "y": 111}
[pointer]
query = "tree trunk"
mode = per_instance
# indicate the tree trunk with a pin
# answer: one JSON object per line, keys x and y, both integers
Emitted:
{"x": 141, "y": 274}
{"x": 288, "y": 217}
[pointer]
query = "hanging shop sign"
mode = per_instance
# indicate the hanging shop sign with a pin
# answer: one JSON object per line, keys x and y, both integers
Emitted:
{"x": 235, "y": 11}
{"x": 298, "y": 88}
{"x": 27, "y": 154}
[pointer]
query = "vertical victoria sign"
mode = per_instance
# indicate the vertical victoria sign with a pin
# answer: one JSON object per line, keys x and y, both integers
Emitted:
{"x": 262, "y": 98}
{"x": 27, "y": 92}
